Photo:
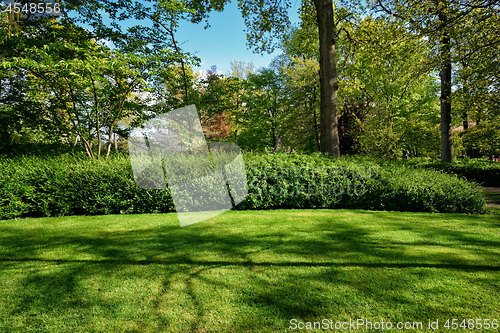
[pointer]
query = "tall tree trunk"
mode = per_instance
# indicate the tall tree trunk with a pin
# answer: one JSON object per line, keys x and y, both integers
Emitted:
{"x": 465, "y": 120}
{"x": 329, "y": 141}
{"x": 315, "y": 123}
{"x": 445, "y": 49}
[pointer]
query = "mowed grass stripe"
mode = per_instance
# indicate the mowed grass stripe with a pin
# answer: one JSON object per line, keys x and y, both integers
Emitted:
{"x": 249, "y": 271}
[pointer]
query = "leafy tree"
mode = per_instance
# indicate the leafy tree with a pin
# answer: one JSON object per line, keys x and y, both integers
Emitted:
{"x": 482, "y": 139}
{"x": 476, "y": 78}
{"x": 268, "y": 21}
{"x": 24, "y": 120}
{"x": 215, "y": 104}
{"x": 444, "y": 24}
{"x": 381, "y": 80}
{"x": 83, "y": 86}
{"x": 238, "y": 77}
{"x": 420, "y": 138}
{"x": 350, "y": 126}
{"x": 301, "y": 123}
{"x": 260, "y": 121}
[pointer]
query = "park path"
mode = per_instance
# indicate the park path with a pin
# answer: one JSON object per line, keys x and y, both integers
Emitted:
{"x": 492, "y": 189}
{"x": 492, "y": 196}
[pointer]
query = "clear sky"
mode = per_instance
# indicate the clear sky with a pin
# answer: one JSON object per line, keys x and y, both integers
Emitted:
{"x": 225, "y": 40}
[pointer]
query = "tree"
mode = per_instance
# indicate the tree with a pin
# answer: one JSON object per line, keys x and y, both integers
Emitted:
{"x": 215, "y": 103}
{"x": 260, "y": 119}
{"x": 268, "y": 21}
{"x": 301, "y": 124}
{"x": 24, "y": 120}
{"x": 442, "y": 23}
{"x": 84, "y": 87}
{"x": 381, "y": 81}
{"x": 476, "y": 75}
{"x": 238, "y": 75}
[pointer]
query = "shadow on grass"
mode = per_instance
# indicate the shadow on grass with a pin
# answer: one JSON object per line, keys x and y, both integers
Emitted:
{"x": 492, "y": 196}
{"x": 277, "y": 270}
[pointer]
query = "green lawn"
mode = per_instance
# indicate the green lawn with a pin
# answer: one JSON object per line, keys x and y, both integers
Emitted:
{"x": 250, "y": 271}
{"x": 493, "y": 200}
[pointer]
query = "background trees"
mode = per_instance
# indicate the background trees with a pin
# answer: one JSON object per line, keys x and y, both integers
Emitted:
{"x": 448, "y": 25}
{"x": 63, "y": 83}
{"x": 82, "y": 88}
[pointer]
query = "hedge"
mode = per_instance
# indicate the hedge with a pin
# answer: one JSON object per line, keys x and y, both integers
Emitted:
{"x": 484, "y": 172}
{"x": 75, "y": 185}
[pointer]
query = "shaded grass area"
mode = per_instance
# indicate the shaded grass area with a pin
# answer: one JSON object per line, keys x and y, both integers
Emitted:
{"x": 246, "y": 271}
{"x": 492, "y": 196}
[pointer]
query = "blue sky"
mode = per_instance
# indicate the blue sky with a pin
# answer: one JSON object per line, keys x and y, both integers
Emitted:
{"x": 221, "y": 43}
{"x": 225, "y": 40}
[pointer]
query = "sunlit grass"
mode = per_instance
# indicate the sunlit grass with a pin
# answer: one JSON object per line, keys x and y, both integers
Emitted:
{"x": 249, "y": 271}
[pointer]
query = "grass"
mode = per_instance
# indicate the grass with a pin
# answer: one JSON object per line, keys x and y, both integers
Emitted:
{"x": 246, "y": 271}
{"x": 492, "y": 196}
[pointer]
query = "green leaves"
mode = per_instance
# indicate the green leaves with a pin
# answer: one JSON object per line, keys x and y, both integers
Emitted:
{"x": 69, "y": 185}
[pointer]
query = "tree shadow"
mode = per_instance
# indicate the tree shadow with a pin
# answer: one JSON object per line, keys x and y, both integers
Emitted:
{"x": 274, "y": 274}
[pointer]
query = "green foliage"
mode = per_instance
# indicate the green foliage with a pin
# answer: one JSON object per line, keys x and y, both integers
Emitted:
{"x": 380, "y": 141}
{"x": 259, "y": 121}
{"x": 313, "y": 181}
{"x": 301, "y": 82}
{"x": 421, "y": 138}
{"x": 482, "y": 139}
{"x": 74, "y": 185}
{"x": 484, "y": 172}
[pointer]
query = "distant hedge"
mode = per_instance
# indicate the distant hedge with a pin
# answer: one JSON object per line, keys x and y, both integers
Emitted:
{"x": 281, "y": 181}
{"x": 484, "y": 172}
{"x": 74, "y": 185}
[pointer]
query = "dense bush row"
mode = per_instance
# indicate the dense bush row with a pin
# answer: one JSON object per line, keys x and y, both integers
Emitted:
{"x": 484, "y": 172}
{"x": 69, "y": 185}
{"x": 313, "y": 181}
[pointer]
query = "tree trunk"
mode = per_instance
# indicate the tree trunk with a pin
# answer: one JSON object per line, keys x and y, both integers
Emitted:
{"x": 445, "y": 50}
{"x": 446, "y": 130}
{"x": 315, "y": 123}
{"x": 329, "y": 136}
{"x": 99, "y": 144}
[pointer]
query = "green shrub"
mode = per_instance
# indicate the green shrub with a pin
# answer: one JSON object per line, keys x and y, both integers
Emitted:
{"x": 69, "y": 185}
{"x": 380, "y": 142}
{"x": 484, "y": 172}
{"x": 421, "y": 138}
{"x": 314, "y": 181}
{"x": 482, "y": 139}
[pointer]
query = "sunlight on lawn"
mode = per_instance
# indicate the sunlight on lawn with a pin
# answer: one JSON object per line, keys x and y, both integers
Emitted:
{"x": 250, "y": 271}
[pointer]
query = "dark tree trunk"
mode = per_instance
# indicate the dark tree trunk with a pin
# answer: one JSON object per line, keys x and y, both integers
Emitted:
{"x": 446, "y": 130}
{"x": 316, "y": 134}
{"x": 329, "y": 139}
{"x": 316, "y": 127}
